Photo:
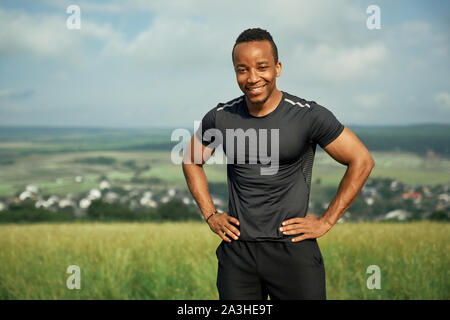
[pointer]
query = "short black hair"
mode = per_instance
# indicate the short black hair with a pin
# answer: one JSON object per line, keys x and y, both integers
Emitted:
{"x": 256, "y": 34}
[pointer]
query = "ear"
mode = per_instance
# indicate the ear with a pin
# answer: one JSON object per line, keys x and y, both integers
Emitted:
{"x": 278, "y": 69}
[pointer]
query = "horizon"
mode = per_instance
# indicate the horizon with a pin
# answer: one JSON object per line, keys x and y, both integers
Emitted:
{"x": 419, "y": 124}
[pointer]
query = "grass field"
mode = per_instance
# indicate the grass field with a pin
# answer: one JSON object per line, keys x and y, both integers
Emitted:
{"x": 177, "y": 260}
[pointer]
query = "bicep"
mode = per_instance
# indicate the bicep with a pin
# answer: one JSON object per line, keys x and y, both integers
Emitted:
{"x": 347, "y": 148}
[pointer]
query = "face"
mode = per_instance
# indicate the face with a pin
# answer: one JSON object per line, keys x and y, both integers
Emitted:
{"x": 256, "y": 70}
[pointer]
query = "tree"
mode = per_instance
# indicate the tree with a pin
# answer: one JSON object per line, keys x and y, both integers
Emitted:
{"x": 439, "y": 215}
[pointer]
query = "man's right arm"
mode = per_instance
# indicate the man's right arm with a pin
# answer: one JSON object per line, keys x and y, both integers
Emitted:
{"x": 194, "y": 158}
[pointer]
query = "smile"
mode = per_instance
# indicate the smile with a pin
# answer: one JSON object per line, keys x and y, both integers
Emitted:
{"x": 256, "y": 90}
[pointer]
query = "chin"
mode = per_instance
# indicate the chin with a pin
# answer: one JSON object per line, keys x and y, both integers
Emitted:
{"x": 257, "y": 100}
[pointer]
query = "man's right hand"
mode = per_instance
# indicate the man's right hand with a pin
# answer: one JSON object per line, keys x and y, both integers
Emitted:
{"x": 222, "y": 224}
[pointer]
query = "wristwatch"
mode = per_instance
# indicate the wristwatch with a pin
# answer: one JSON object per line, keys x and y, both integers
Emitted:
{"x": 211, "y": 215}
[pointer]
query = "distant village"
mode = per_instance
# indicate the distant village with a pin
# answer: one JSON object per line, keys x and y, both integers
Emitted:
{"x": 392, "y": 200}
{"x": 395, "y": 200}
{"x": 133, "y": 198}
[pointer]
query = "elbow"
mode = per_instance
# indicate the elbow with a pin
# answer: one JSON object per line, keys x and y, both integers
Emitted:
{"x": 368, "y": 164}
{"x": 363, "y": 164}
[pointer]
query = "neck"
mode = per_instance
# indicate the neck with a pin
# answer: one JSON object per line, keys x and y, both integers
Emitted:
{"x": 262, "y": 109}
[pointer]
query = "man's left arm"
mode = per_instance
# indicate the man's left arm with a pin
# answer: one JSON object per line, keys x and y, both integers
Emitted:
{"x": 347, "y": 149}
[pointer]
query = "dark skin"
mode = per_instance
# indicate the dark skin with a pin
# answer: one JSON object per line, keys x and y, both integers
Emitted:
{"x": 221, "y": 223}
{"x": 256, "y": 73}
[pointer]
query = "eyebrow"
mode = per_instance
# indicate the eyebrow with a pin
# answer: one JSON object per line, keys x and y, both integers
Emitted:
{"x": 258, "y": 63}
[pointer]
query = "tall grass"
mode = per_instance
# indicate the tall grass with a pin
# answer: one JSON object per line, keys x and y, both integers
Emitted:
{"x": 177, "y": 260}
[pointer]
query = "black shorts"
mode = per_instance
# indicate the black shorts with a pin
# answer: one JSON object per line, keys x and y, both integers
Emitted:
{"x": 282, "y": 270}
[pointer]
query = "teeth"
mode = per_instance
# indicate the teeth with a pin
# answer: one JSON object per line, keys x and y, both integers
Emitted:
{"x": 256, "y": 89}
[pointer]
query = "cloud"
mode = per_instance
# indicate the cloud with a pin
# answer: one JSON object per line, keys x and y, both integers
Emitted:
{"x": 443, "y": 100}
{"x": 418, "y": 33}
{"x": 338, "y": 64}
{"x": 164, "y": 45}
{"x": 21, "y": 32}
{"x": 181, "y": 35}
{"x": 9, "y": 94}
{"x": 46, "y": 35}
{"x": 370, "y": 101}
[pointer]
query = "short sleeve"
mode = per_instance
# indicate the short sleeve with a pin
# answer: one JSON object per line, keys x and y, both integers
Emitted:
{"x": 324, "y": 125}
{"x": 208, "y": 122}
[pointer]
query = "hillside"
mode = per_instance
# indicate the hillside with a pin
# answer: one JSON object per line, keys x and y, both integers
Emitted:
{"x": 426, "y": 139}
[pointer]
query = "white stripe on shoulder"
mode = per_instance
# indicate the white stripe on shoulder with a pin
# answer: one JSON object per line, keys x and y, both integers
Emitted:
{"x": 298, "y": 103}
{"x": 230, "y": 104}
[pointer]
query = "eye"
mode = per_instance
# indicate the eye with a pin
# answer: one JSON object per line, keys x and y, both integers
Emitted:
{"x": 263, "y": 67}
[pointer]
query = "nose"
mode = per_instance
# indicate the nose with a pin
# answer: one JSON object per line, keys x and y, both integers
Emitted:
{"x": 253, "y": 76}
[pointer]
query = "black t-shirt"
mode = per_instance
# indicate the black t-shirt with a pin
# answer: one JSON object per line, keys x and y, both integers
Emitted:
{"x": 269, "y": 170}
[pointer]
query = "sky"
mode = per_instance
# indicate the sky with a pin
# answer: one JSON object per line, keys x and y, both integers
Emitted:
{"x": 163, "y": 63}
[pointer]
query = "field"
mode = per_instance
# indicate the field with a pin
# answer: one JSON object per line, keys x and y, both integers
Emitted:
{"x": 177, "y": 260}
{"x": 49, "y": 157}
{"x": 54, "y": 172}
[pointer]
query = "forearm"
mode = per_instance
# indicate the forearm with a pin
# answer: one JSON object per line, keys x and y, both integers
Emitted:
{"x": 349, "y": 188}
{"x": 198, "y": 186}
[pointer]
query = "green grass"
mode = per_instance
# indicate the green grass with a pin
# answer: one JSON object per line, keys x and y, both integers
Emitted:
{"x": 177, "y": 260}
{"x": 55, "y": 173}
{"x": 406, "y": 167}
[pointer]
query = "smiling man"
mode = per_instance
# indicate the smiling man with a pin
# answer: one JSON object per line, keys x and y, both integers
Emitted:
{"x": 269, "y": 245}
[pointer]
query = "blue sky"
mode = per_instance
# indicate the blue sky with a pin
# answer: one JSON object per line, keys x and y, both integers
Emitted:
{"x": 166, "y": 63}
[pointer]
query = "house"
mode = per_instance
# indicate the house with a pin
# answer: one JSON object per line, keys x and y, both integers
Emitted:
{"x": 171, "y": 192}
{"x": 32, "y": 188}
{"x": 443, "y": 201}
{"x": 63, "y": 203}
{"x": 104, "y": 184}
{"x": 411, "y": 195}
{"x": 146, "y": 200}
{"x": 85, "y": 203}
{"x": 149, "y": 203}
{"x": 426, "y": 191}
{"x": 25, "y": 195}
{"x": 369, "y": 191}
{"x": 369, "y": 201}
{"x": 415, "y": 196}
{"x": 111, "y": 197}
{"x": 41, "y": 203}
{"x": 186, "y": 200}
{"x": 94, "y": 194}
{"x": 52, "y": 200}
{"x": 399, "y": 215}
{"x": 395, "y": 185}
{"x": 444, "y": 198}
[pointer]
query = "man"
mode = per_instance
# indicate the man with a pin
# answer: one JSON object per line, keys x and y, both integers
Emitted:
{"x": 269, "y": 242}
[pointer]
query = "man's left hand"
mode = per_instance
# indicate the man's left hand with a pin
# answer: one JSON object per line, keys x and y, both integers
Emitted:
{"x": 311, "y": 227}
